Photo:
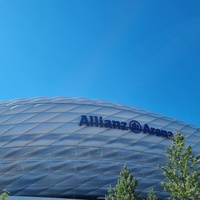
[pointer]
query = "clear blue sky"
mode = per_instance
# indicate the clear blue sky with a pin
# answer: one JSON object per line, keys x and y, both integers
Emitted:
{"x": 142, "y": 53}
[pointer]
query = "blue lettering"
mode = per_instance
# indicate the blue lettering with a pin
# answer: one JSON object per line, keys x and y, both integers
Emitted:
{"x": 133, "y": 126}
{"x": 108, "y": 124}
{"x": 84, "y": 121}
{"x": 169, "y": 134}
{"x": 158, "y": 132}
{"x": 116, "y": 124}
{"x": 123, "y": 126}
{"x": 152, "y": 131}
{"x": 100, "y": 122}
{"x": 146, "y": 129}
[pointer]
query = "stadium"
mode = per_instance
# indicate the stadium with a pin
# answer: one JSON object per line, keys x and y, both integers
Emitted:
{"x": 75, "y": 148}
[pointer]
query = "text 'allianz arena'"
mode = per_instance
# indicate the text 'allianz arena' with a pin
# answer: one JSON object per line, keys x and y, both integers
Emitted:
{"x": 74, "y": 147}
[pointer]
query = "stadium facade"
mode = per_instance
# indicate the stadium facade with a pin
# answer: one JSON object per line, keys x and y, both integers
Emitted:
{"x": 75, "y": 148}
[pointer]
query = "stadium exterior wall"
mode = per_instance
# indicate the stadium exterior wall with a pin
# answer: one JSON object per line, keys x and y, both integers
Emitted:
{"x": 36, "y": 198}
{"x": 75, "y": 147}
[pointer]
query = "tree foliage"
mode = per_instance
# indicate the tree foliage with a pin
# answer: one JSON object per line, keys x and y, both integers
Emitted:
{"x": 151, "y": 195}
{"x": 182, "y": 176}
{"x": 4, "y": 195}
{"x": 125, "y": 188}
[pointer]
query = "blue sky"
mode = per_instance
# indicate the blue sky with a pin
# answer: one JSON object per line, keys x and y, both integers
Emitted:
{"x": 136, "y": 52}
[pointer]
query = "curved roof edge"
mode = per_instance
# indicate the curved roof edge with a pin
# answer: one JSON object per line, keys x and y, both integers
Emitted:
{"x": 85, "y": 101}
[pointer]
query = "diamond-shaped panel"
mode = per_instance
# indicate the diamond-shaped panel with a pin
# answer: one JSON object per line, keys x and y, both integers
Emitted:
{"x": 45, "y": 153}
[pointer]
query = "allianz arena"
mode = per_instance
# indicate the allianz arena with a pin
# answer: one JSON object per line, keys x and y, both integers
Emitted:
{"x": 75, "y": 148}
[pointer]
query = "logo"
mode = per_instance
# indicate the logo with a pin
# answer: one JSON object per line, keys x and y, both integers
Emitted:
{"x": 133, "y": 125}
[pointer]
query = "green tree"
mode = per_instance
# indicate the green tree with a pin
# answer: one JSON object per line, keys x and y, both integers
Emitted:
{"x": 180, "y": 171}
{"x": 4, "y": 195}
{"x": 125, "y": 188}
{"x": 151, "y": 195}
